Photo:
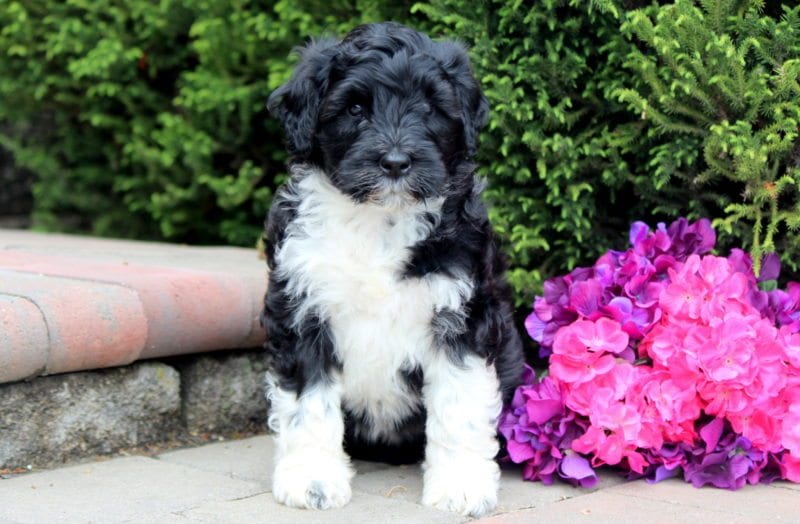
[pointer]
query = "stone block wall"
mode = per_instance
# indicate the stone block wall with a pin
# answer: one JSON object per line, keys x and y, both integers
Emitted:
{"x": 63, "y": 418}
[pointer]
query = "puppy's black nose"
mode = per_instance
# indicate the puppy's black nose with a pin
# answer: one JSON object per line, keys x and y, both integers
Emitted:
{"x": 395, "y": 163}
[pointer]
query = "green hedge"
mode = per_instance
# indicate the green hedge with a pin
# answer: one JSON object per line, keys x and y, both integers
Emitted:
{"x": 147, "y": 119}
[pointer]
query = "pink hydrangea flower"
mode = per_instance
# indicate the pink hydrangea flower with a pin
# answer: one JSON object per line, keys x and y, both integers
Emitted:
{"x": 790, "y": 423}
{"x": 664, "y": 359}
{"x": 586, "y": 349}
{"x": 790, "y": 467}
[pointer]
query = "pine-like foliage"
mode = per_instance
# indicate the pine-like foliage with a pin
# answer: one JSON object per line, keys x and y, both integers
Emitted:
{"x": 721, "y": 78}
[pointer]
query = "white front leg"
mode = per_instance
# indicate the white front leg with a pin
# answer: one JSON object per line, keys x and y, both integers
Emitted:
{"x": 463, "y": 403}
{"x": 311, "y": 468}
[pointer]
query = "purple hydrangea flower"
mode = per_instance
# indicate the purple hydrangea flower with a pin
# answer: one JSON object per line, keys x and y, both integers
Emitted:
{"x": 664, "y": 463}
{"x": 770, "y": 267}
{"x": 623, "y": 285}
{"x": 627, "y": 287}
{"x": 726, "y": 460}
{"x": 687, "y": 239}
{"x": 784, "y": 306}
{"x": 723, "y": 459}
{"x": 539, "y": 430}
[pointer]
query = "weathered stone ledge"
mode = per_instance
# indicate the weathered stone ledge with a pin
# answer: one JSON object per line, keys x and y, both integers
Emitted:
{"x": 69, "y": 417}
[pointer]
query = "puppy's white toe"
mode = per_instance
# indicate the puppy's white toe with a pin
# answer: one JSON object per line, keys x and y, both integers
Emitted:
{"x": 468, "y": 487}
{"x": 312, "y": 483}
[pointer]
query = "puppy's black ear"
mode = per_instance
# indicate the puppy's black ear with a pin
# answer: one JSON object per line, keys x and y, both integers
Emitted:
{"x": 296, "y": 103}
{"x": 474, "y": 106}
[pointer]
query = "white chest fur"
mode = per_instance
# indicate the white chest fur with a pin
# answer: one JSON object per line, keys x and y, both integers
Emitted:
{"x": 344, "y": 262}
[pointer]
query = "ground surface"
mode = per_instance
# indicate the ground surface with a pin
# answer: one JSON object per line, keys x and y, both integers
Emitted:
{"x": 230, "y": 482}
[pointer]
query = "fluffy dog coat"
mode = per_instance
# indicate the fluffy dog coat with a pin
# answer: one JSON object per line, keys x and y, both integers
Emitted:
{"x": 390, "y": 333}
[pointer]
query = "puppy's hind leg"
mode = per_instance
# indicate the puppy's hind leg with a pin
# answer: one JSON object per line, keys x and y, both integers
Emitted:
{"x": 311, "y": 467}
{"x": 463, "y": 402}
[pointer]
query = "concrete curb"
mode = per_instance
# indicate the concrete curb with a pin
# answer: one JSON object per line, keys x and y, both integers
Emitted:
{"x": 111, "y": 302}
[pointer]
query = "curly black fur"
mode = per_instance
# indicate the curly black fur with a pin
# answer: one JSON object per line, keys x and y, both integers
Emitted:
{"x": 387, "y": 88}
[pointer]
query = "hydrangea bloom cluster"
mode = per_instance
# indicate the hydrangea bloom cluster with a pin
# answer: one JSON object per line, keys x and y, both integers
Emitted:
{"x": 663, "y": 360}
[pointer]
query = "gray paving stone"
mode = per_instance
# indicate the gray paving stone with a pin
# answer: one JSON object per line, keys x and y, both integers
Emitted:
{"x": 362, "y": 508}
{"x": 405, "y": 483}
{"x": 247, "y": 459}
{"x": 362, "y": 467}
{"x": 229, "y": 482}
{"x": 759, "y": 502}
{"x": 120, "y": 490}
{"x": 785, "y": 485}
{"x": 171, "y": 518}
{"x": 614, "y": 508}
{"x": 402, "y": 483}
{"x": 516, "y": 493}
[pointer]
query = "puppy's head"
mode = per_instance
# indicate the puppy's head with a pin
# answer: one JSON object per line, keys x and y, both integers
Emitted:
{"x": 384, "y": 112}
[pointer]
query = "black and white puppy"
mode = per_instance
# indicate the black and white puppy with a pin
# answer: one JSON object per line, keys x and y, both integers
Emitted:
{"x": 390, "y": 331}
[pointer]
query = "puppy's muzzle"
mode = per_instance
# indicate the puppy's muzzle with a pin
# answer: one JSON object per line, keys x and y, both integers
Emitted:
{"x": 395, "y": 163}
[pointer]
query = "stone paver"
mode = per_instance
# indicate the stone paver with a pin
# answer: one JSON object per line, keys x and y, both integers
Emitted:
{"x": 246, "y": 459}
{"x": 603, "y": 506}
{"x": 362, "y": 508}
{"x": 401, "y": 483}
{"x": 228, "y": 482}
{"x": 770, "y": 503}
{"x": 119, "y": 490}
{"x": 70, "y": 303}
{"x": 207, "y": 258}
{"x": 516, "y": 494}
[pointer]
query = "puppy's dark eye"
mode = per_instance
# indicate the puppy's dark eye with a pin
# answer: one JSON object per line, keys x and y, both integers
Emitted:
{"x": 355, "y": 110}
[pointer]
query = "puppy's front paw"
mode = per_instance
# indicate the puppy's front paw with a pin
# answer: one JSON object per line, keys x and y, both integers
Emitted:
{"x": 466, "y": 486}
{"x": 312, "y": 483}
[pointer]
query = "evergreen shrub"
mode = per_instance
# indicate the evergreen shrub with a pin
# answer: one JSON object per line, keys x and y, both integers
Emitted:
{"x": 608, "y": 112}
{"x": 720, "y": 80}
{"x": 147, "y": 119}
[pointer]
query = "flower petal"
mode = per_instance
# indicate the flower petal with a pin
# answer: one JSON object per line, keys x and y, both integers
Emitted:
{"x": 577, "y": 468}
